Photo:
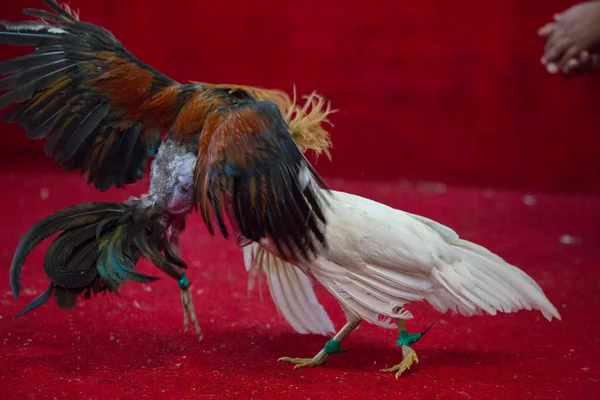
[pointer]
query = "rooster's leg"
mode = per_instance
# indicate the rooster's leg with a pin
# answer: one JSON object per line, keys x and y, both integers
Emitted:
{"x": 331, "y": 347}
{"x": 405, "y": 340}
{"x": 189, "y": 311}
{"x": 175, "y": 230}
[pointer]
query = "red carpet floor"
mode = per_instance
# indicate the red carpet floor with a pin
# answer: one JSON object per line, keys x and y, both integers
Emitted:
{"x": 134, "y": 347}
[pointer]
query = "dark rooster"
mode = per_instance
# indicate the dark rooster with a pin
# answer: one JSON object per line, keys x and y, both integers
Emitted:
{"x": 235, "y": 150}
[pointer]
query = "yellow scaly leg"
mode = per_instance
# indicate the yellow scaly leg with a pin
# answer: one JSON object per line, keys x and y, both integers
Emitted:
{"x": 331, "y": 347}
{"x": 405, "y": 340}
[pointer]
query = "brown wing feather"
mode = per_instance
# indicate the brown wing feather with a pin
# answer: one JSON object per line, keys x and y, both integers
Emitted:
{"x": 249, "y": 168}
{"x": 77, "y": 83}
{"x": 95, "y": 103}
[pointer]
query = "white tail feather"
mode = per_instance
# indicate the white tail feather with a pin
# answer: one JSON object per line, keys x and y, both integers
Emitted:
{"x": 482, "y": 281}
{"x": 291, "y": 290}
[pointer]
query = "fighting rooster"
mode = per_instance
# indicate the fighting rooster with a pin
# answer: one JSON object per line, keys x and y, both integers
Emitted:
{"x": 378, "y": 261}
{"x": 229, "y": 149}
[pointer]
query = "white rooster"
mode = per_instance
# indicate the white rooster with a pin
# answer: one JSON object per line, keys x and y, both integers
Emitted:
{"x": 380, "y": 259}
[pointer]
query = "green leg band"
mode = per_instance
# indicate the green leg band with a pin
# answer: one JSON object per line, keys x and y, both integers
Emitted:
{"x": 332, "y": 347}
{"x": 184, "y": 283}
{"x": 407, "y": 339}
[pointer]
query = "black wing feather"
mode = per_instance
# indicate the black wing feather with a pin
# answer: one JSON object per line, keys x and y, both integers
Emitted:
{"x": 55, "y": 98}
{"x": 85, "y": 128}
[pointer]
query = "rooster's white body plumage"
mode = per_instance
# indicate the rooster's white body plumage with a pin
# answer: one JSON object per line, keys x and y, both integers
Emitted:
{"x": 380, "y": 259}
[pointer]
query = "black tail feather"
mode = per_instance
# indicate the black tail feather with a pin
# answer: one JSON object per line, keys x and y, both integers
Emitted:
{"x": 97, "y": 249}
{"x": 37, "y": 302}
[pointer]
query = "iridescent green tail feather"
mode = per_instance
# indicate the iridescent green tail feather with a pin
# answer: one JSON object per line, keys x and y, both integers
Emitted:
{"x": 96, "y": 250}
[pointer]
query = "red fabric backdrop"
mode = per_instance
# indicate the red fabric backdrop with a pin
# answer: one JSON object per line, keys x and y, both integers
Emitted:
{"x": 427, "y": 90}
